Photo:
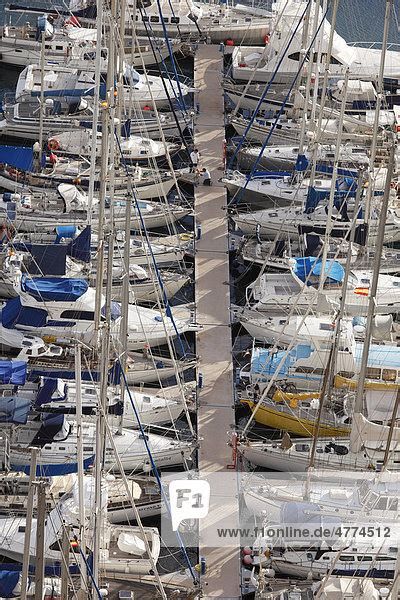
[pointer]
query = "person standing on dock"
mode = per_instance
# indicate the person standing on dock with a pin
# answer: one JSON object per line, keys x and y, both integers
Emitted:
{"x": 206, "y": 177}
{"x": 194, "y": 159}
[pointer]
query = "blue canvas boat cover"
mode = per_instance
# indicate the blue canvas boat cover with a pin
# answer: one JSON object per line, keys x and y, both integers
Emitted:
{"x": 8, "y": 582}
{"x": 47, "y": 289}
{"x": 15, "y": 314}
{"x": 14, "y": 410}
{"x": 310, "y": 265}
{"x": 13, "y": 372}
{"x": 19, "y": 157}
{"x": 53, "y": 470}
{"x": 47, "y": 390}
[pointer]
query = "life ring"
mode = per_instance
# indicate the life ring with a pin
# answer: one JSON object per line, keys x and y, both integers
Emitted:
{"x": 53, "y": 145}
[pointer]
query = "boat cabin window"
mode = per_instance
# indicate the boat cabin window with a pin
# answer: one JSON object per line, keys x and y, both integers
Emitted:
{"x": 319, "y": 371}
{"x": 154, "y": 19}
{"x": 346, "y": 374}
{"x": 175, "y": 20}
{"x": 373, "y": 373}
{"x": 145, "y": 19}
{"x": 304, "y": 370}
{"x": 302, "y": 447}
{"x": 346, "y": 558}
{"x": 59, "y": 47}
{"x": 327, "y": 326}
{"x": 364, "y": 558}
{"x": 85, "y": 315}
{"x": 389, "y": 374}
{"x": 87, "y": 448}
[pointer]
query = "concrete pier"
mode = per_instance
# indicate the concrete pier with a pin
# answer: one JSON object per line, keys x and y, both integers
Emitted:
{"x": 214, "y": 346}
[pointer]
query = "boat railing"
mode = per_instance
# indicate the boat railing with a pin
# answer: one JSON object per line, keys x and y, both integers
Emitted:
{"x": 376, "y": 45}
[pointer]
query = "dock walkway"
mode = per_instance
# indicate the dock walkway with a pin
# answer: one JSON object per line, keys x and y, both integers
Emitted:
{"x": 214, "y": 346}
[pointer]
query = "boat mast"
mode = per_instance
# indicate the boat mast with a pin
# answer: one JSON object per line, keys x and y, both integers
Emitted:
{"x": 96, "y": 103}
{"x": 41, "y": 101}
{"x": 79, "y": 443}
{"x": 324, "y": 87}
{"x": 28, "y": 522}
{"x": 379, "y": 100}
{"x": 333, "y": 183}
{"x": 309, "y": 75}
{"x": 123, "y": 334}
{"x": 358, "y": 404}
{"x": 105, "y": 330}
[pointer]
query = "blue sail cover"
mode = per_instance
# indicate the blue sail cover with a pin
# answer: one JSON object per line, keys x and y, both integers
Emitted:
{"x": 13, "y": 372}
{"x": 310, "y": 265}
{"x": 54, "y": 289}
{"x": 14, "y": 410}
{"x": 19, "y": 157}
{"x": 8, "y": 582}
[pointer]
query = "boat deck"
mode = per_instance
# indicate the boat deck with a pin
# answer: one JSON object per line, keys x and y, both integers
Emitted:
{"x": 214, "y": 345}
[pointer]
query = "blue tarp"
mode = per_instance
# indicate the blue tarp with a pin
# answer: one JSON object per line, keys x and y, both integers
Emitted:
{"x": 13, "y": 372}
{"x": 18, "y": 157}
{"x": 15, "y": 314}
{"x": 14, "y": 410}
{"x": 48, "y": 289}
{"x": 8, "y": 582}
{"x": 334, "y": 271}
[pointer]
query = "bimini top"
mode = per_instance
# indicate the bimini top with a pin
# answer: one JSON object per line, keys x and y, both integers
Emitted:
{"x": 56, "y": 289}
{"x": 310, "y": 267}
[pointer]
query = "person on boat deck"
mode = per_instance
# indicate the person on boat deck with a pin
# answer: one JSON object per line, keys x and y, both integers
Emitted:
{"x": 194, "y": 159}
{"x": 206, "y": 177}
